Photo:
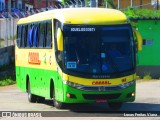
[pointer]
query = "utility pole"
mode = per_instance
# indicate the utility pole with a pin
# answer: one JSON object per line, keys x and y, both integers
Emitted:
{"x": 157, "y": 4}
{"x": 141, "y": 4}
{"x": 9, "y": 6}
{"x": 131, "y": 3}
{"x": 93, "y": 3}
{"x": 118, "y": 4}
{"x": 96, "y": 3}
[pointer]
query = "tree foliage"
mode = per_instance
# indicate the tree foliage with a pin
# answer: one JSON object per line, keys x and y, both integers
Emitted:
{"x": 134, "y": 13}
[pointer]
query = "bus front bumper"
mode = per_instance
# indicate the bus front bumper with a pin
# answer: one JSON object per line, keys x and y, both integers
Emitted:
{"x": 73, "y": 95}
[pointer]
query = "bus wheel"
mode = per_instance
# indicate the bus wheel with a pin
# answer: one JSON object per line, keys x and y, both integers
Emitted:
{"x": 115, "y": 105}
{"x": 40, "y": 99}
{"x": 31, "y": 98}
{"x": 57, "y": 104}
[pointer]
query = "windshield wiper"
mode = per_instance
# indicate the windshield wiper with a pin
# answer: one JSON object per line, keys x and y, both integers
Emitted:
{"x": 77, "y": 57}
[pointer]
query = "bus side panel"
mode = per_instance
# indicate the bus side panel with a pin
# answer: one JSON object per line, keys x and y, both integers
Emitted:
{"x": 40, "y": 81}
{"x": 59, "y": 87}
{"x": 20, "y": 78}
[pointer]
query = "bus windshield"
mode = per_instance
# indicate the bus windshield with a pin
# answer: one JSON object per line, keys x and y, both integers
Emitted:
{"x": 98, "y": 49}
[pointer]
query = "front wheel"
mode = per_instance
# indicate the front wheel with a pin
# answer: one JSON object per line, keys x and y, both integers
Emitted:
{"x": 57, "y": 104}
{"x": 115, "y": 105}
{"x": 31, "y": 97}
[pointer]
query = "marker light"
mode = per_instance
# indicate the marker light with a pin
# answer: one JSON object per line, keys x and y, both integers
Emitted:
{"x": 133, "y": 94}
{"x": 68, "y": 95}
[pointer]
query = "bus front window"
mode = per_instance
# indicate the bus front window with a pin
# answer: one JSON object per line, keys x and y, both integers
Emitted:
{"x": 98, "y": 49}
{"x": 82, "y": 53}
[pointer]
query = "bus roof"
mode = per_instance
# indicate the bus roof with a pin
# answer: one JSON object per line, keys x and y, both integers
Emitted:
{"x": 96, "y": 16}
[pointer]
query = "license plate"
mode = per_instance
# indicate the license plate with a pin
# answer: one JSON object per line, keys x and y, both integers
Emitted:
{"x": 101, "y": 100}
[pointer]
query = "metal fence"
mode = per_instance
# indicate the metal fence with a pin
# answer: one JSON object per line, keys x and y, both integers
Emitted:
{"x": 8, "y": 24}
{"x": 7, "y": 31}
{"x": 142, "y": 4}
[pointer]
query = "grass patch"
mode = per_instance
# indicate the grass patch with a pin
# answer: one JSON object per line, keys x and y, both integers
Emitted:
{"x": 7, "y": 75}
{"x": 147, "y": 76}
{"x": 138, "y": 77}
{"x": 7, "y": 81}
{"x": 1, "y": 39}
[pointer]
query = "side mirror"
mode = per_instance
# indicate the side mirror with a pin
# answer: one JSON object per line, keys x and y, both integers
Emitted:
{"x": 139, "y": 39}
{"x": 59, "y": 39}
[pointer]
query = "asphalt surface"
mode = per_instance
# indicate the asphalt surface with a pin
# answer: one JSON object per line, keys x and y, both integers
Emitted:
{"x": 147, "y": 100}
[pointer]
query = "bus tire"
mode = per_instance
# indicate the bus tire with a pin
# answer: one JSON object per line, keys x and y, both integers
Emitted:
{"x": 40, "y": 99}
{"x": 115, "y": 105}
{"x": 31, "y": 97}
{"x": 57, "y": 104}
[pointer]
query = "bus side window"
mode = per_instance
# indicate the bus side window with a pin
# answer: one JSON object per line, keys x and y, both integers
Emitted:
{"x": 58, "y": 54}
{"x": 56, "y": 25}
{"x": 19, "y": 30}
{"x": 23, "y": 40}
{"x": 49, "y": 35}
{"x": 29, "y": 27}
{"x": 35, "y": 36}
{"x": 21, "y": 37}
{"x": 30, "y": 36}
{"x": 41, "y": 35}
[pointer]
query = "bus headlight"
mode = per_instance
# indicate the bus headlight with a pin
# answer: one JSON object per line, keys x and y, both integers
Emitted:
{"x": 72, "y": 84}
{"x": 125, "y": 85}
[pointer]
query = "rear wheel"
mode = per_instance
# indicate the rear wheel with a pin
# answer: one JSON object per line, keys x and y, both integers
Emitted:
{"x": 40, "y": 99}
{"x": 31, "y": 97}
{"x": 115, "y": 105}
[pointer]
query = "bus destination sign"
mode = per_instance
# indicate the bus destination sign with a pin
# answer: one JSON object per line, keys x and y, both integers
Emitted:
{"x": 83, "y": 29}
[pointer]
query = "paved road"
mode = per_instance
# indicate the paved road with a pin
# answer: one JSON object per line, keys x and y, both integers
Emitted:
{"x": 147, "y": 99}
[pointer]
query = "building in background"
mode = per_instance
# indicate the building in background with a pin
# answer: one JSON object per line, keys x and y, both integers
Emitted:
{"x": 19, "y": 4}
{"x": 29, "y": 4}
{"x": 38, "y": 4}
{"x": 15, "y": 4}
{"x": 2, "y": 4}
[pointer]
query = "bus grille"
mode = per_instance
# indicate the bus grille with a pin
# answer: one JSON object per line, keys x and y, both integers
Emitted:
{"x": 101, "y": 96}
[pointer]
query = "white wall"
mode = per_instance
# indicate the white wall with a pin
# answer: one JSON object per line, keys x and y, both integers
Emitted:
{"x": 7, "y": 26}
